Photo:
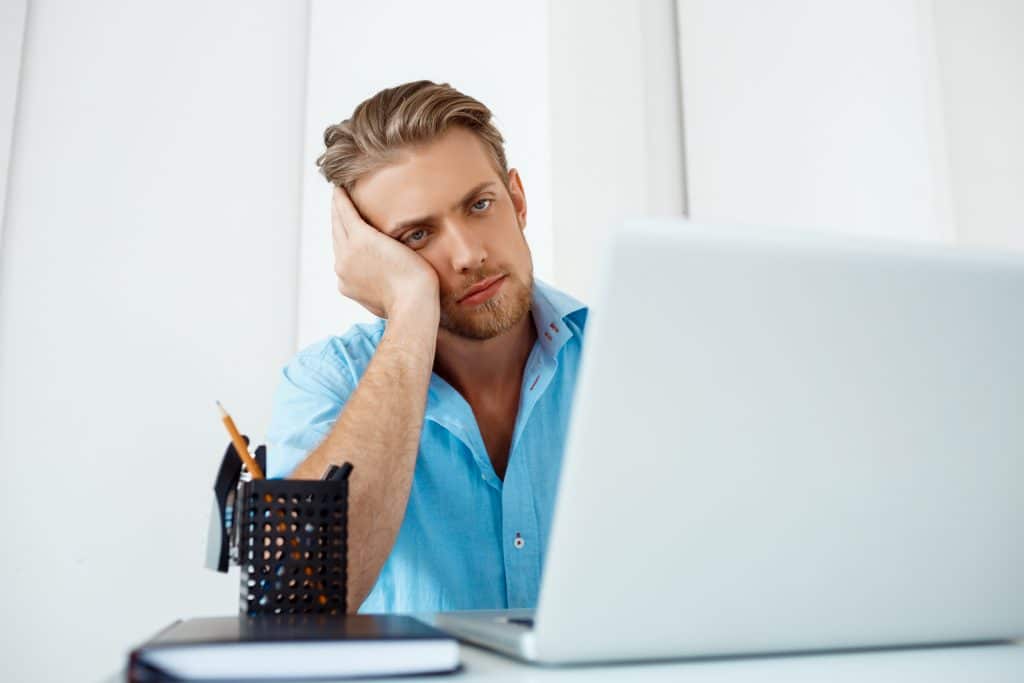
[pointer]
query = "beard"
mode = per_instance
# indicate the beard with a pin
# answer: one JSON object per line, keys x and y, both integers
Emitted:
{"x": 493, "y": 317}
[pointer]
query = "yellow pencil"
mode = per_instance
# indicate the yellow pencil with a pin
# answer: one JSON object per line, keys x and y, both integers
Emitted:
{"x": 240, "y": 446}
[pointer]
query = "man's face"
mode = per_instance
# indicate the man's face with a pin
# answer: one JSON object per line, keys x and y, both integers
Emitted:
{"x": 446, "y": 201}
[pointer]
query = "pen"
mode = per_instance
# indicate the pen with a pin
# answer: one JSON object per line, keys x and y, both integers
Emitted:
{"x": 240, "y": 446}
{"x": 335, "y": 473}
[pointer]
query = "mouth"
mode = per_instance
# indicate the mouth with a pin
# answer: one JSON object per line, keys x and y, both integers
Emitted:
{"x": 482, "y": 291}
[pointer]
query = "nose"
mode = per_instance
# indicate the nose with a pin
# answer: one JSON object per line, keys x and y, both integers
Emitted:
{"x": 467, "y": 250}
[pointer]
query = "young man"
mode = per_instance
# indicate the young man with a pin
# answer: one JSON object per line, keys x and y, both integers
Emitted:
{"x": 453, "y": 407}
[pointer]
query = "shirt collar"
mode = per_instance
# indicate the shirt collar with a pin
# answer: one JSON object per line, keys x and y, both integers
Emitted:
{"x": 551, "y": 312}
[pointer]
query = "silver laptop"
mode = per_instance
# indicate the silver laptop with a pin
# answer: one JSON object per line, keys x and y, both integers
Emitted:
{"x": 785, "y": 442}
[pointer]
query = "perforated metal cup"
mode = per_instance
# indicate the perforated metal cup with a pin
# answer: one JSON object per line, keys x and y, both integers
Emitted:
{"x": 292, "y": 541}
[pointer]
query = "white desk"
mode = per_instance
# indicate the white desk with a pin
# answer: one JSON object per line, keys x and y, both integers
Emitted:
{"x": 976, "y": 664}
{"x": 935, "y": 665}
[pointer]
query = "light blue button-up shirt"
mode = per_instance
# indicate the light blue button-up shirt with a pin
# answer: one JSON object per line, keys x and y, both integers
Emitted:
{"x": 468, "y": 540}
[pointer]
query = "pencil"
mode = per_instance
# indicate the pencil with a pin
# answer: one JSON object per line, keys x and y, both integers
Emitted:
{"x": 240, "y": 446}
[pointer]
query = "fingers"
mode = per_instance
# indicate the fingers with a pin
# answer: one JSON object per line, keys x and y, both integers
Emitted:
{"x": 346, "y": 213}
{"x": 339, "y": 222}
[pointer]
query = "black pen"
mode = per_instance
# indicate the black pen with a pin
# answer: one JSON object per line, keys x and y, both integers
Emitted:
{"x": 335, "y": 473}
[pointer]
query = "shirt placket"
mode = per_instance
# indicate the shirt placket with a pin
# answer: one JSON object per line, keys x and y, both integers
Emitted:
{"x": 521, "y": 535}
{"x": 458, "y": 419}
{"x": 520, "y": 544}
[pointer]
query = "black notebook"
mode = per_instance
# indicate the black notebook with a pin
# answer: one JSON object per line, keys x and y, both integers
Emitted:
{"x": 301, "y": 646}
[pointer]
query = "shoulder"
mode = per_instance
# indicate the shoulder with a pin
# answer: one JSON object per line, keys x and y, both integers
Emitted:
{"x": 339, "y": 357}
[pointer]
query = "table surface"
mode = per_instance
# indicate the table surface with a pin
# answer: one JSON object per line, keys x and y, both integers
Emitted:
{"x": 998, "y": 662}
{"x": 976, "y": 664}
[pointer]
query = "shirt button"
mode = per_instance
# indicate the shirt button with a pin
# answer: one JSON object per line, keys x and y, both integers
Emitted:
{"x": 519, "y": 542}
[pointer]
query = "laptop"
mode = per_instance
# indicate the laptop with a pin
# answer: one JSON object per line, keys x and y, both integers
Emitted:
{"x": 784, "y": 442}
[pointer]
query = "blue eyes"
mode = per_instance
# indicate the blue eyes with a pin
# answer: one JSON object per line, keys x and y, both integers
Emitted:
{"x": 419, "y": 235}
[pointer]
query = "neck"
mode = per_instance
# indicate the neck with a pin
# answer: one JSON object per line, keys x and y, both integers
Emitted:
{"x": 475, "y": 366}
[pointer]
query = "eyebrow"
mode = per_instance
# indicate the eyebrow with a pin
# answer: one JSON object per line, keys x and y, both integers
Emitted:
{"x": 477, "y": 189}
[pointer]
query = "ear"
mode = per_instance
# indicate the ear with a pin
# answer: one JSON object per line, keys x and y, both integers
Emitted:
{"x": 518, "y": 195}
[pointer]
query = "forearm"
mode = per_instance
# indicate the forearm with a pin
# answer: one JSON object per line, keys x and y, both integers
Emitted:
{"x": 378, "y": 431}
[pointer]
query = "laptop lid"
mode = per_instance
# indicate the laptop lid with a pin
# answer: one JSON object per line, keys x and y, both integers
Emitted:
{"x": 787, "y": 441}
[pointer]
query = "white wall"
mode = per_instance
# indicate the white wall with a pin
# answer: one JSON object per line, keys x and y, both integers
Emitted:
{"x": 616, "y": 141}
{"x": 494, "y": 52}
{"x": 981, "y": 65}
{"x": 12, "y": 27}
{"x": 816, "y": 115}
{"x": 892, "y": 118}
{"x": 148, "y": 268}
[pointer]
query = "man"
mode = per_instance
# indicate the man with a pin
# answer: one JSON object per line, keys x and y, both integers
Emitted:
{"x": 453, "y": 407}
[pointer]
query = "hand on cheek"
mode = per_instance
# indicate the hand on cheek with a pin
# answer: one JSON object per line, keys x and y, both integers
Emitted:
{"x": 373, "y": 269}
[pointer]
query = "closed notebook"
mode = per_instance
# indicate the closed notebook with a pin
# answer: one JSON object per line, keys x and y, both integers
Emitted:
{"x": 282, "y": 647}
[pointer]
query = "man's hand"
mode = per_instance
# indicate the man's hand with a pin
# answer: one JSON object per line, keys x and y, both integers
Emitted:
{"x": 375, "y": 270}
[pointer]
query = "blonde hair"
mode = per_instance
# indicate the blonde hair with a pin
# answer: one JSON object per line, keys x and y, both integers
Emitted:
{"x": 396, "y": 118}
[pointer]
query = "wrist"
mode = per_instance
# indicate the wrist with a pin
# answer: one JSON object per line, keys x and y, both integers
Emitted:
{"x": 412, "y": 326}
{"x": 418, "y": 312}
{"x": 419, "y": 301}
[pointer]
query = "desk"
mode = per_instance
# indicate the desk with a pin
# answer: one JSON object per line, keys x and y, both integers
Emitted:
{"x": 1003, "y": 662}
{"x": 974, "y": 664}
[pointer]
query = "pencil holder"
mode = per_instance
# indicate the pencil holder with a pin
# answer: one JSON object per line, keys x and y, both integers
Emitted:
{"x": 292, "y": 540}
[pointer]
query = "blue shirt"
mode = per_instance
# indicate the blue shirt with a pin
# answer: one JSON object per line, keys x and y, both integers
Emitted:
{"x": 468, "y": 540}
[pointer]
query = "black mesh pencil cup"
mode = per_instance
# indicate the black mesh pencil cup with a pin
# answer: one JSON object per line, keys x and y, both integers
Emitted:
{"x": 292, "y": 540}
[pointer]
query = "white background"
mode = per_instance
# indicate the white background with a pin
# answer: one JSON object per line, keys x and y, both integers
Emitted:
{"x": 164, "y": 239}
{"x": 148, "y": 269}
{"x": 892, "y": 119}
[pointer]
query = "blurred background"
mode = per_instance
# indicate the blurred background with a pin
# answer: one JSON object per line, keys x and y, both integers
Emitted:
{"x": 166, "y": 242}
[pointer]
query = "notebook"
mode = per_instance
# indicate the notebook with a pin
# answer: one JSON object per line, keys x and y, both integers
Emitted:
{"x": 293, "y": 646}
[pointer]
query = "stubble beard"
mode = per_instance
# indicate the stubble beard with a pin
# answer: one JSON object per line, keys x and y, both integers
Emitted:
{"x": 497, "y": 315}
